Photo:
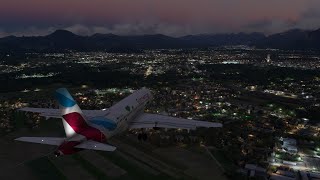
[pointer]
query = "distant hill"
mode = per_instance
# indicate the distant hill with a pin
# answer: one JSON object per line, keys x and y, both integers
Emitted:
{"x": 62, "y": 40}
{"x": 292, "y": 39}
{"x": 224, "y": 39}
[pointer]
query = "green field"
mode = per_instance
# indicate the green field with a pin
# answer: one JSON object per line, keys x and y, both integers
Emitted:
{"x": 44, "y": 169}
{"x": 223, "y": 160}
{"x": 148, "y": 149}
{"x": 133, "y": 171}
{"x": 90, "y": 167}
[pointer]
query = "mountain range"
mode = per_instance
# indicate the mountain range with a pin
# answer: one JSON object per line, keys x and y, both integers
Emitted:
{"x": 62, "y": 40}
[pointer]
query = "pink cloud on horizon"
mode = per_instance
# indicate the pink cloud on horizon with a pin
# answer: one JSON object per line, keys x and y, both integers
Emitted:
{"x": 193, "y": 15}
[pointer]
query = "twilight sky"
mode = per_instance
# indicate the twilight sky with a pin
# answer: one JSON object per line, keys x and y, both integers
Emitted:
{"x": 171, "y": 17}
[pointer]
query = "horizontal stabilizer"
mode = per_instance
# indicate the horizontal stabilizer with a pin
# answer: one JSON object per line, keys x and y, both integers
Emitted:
{"x": 96, "y": 146}
{"x": 42, "y": 140}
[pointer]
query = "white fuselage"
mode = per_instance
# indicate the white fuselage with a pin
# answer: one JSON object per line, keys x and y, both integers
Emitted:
{"x": 125, "y": 111}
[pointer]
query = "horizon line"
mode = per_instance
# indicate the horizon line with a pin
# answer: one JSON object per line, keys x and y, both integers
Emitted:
{"x": 123, "y": 35}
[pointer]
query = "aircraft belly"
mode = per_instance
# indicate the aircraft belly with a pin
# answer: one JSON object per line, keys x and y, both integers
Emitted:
{"x": 122, "y": 127}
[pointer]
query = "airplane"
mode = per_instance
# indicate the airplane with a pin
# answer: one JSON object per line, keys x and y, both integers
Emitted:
{"x": 90, "y": 129}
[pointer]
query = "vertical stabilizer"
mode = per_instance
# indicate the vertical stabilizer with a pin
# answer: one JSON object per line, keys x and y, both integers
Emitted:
{"x": 72, "y": 117}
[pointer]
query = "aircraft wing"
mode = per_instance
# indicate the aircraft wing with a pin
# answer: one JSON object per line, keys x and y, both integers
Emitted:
{"x": 57, "y": 141}
{"x": 147, "y": 120}
{"x": 96, "y": 146}
{"x": 45, "y": 112}
{"x": 56, "y": 113}
{"x": 42, "y": 140}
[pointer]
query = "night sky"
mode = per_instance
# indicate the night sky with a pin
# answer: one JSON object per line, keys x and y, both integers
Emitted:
{"x": 170, "y": 17}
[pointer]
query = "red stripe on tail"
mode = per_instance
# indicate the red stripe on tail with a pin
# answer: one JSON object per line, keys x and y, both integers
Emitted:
{"x": 80, "y": 126}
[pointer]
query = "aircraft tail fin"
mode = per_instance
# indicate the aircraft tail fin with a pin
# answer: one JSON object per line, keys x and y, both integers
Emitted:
{"x": 72, "y": 116}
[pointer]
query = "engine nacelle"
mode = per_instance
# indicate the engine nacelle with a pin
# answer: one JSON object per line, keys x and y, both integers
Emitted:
{"x": 57, "y": 153}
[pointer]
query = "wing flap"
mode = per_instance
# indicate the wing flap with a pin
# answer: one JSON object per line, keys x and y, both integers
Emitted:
{"x": 56, "y": 113}
{"x": 45, "y": 112}
{"x": 152, "y": 124}
{"x": 42, "y": 140}
{"x": 147, "y": 120}
{"x": 96, "y": 146}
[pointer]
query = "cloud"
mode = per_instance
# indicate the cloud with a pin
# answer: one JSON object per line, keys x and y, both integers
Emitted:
{"x": 270, "y": 26}
{"x": 310, "y": 18}
{"x": 3, "y": 33}
{"x": 133, "y": 29}
{"x": 80, "y": 29}
{"x": 143, "y": 28}
{"x": 178, "y": 17}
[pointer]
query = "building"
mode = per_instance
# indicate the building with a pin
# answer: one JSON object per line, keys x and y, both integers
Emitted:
{"x": 289, "y": 145}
